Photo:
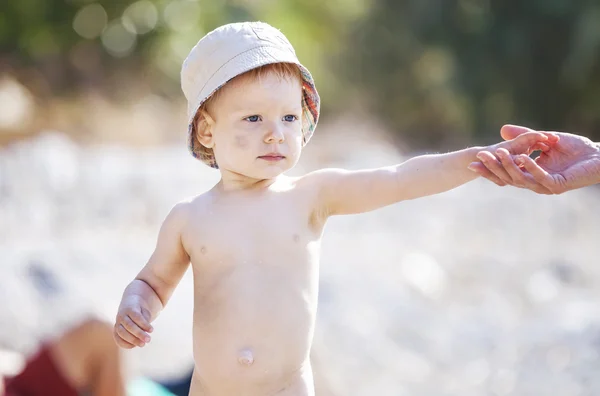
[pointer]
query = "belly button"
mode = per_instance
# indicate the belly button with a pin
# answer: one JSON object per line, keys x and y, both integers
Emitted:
{"x": 245, "y": 357}
{"x": 203, "y": 250}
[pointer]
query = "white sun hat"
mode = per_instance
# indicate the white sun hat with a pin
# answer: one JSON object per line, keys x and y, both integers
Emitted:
{"x": 229, "y": 51}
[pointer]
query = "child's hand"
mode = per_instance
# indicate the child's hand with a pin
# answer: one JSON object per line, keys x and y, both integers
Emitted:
{"x": 132, "y": 325}
{"x": 525, "y": 143}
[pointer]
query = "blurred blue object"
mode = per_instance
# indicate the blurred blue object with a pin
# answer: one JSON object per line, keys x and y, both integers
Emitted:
{"x": 180, "y": 386}
{"x": 145, "y": 387}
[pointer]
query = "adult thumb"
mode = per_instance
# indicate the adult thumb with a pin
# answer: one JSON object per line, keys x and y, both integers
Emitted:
{"x": 509, "y": 132}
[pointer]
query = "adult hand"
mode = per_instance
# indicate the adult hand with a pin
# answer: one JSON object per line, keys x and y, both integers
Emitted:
{"x": 569, "y": 162}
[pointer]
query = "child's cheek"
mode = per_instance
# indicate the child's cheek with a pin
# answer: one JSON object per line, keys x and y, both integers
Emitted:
{"x": 241, "y": 142}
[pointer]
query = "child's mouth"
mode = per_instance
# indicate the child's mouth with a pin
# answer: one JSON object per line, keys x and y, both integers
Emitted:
{"x": 272, "y": 157}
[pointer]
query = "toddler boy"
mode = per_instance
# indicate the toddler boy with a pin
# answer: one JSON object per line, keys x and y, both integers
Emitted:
{"x": 253, "y": 240}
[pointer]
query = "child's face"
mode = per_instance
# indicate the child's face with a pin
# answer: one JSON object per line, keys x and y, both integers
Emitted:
{"x": 257, "y": 126}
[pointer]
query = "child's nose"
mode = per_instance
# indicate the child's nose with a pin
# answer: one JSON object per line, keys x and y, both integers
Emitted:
{"x": 274, "y": 134}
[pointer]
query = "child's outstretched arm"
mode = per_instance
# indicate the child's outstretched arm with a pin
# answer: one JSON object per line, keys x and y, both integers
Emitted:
{"x": 148, "y": 293}
{"x": 348, "y": 192}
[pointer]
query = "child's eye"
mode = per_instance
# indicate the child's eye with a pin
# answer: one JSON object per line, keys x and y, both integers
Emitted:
{"x": 253, "y": 118}
{"x": 290, "y": 118}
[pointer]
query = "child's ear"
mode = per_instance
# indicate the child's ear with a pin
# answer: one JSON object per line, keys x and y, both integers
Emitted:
{"x": 204, "y": 128}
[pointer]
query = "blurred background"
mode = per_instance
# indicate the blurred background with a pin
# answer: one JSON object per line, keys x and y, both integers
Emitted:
{"x": 478, "y": 291}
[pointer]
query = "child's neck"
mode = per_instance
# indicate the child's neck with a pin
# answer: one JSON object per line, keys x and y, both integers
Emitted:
{"x": 231, "y": 181}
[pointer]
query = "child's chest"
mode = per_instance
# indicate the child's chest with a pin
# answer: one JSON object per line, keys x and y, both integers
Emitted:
{"x": 260, "y": 230}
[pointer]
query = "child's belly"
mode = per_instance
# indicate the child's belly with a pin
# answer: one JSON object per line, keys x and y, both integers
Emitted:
{"x": 299, "y": 384}
{"x": 253, "y": 328}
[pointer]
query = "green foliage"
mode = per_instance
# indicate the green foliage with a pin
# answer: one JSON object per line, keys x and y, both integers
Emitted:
{"x": 439, "y": 72}
{"x": 76, "y": 42}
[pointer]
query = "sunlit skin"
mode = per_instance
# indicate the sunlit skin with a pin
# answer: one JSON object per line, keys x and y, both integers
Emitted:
{"x": 574, "y": 162}
{"x": 253, "y": 241}
{"x": 255, "y": 129}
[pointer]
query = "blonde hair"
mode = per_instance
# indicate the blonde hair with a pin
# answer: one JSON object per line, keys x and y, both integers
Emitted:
{"x": 281, "y": 70}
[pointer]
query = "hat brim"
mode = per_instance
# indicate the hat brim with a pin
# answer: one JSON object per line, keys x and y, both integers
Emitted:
{"x": 242, "y": 63}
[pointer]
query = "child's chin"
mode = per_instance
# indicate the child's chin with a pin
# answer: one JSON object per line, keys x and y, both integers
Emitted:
{"x": 269, "y": 172}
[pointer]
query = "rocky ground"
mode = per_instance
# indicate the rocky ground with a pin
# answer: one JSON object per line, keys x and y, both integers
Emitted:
{"x": 478, "y": 291}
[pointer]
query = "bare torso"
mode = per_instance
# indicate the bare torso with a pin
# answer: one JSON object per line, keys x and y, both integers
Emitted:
{"x": 255, "y": 258}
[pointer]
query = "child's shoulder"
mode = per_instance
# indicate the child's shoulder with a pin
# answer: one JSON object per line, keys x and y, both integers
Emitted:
{"x": 184, "y": 208}
{"x": 307, "y": 181}
{"x": 319, "y": 177}
{"x": 193, "y": 200}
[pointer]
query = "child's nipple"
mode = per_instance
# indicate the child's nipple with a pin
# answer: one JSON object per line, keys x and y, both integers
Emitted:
{"x": 245, "y": 357}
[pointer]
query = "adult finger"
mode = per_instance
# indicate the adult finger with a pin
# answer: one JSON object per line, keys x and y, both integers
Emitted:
{"x": 522, "y": 143}
{"x": 494, "y": 166}
{"x": 482, "y": 171}
{"x": 509, "y": 132}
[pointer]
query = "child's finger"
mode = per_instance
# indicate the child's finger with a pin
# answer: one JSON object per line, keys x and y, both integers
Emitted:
{"x": 519, "y": 176}
{"x": 141, "y": 321}
{"x": 480, "y": 169}
{"x": 126, "y": 336}
{"x": 553, "y": 138}
{"x": 537, "y": 173}
{"x": 134, "y": 329}
{"x": 494, "y": 166}
{"x": 122, "y": 343}
{"x": 128, "y": 345}
{"x": 539, "y": 147}
{"x": 514, "y": 172}
{"x": 544, "y": 147}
